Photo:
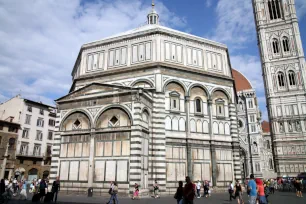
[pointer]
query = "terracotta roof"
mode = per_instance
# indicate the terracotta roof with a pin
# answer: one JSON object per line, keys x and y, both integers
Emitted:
{"x": 241, "y": 82}
{"x": 265, "y": 125}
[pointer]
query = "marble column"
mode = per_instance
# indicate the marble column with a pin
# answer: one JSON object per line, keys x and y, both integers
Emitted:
{"x": 235, "y": 141}
{"x": 188, "y": 146}
{"x": 91, "y": 158}
{"x": 212, "y": 145}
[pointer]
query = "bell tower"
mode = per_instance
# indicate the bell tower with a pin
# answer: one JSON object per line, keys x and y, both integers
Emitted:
{"x": 283, "y": 68}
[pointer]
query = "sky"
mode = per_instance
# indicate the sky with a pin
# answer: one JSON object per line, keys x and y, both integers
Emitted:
{"x": 40, "y": 39}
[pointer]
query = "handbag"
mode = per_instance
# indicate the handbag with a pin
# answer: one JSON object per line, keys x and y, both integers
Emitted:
{"x": 175, "y": 196}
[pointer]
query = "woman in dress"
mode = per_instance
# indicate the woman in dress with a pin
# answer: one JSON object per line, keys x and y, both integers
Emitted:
{"x": 136, "y": 192}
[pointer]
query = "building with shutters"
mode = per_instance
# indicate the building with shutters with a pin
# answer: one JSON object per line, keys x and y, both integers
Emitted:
{"x": 34, "y": 141}
{"x": 254, "y": 150}
{"x": 283, "y": 67}
{"x": 149, "y": 104}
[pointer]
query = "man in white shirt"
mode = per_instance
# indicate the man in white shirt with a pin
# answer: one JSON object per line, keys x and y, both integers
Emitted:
{"x": 199, "y": 189}
{"x": 231, "y": 191}
{"x": 6, "y": 182}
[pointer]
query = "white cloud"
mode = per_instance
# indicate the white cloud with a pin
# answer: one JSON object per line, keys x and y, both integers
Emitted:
{"x": 208, "y": 3}
{"x": 250, "y": 67}
{"x": 40, "y": 40}
{"x": 235, "y": 22}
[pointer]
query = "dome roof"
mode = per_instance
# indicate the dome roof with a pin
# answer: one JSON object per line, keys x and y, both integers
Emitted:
{"x": 265, "y": 125}
{"x": 241, "y": 82}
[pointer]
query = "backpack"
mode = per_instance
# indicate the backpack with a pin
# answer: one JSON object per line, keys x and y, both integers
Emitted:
{"x": 42, "y": 185}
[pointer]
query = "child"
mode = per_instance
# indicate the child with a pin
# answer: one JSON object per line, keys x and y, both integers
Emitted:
{"x": 136, "y": 192}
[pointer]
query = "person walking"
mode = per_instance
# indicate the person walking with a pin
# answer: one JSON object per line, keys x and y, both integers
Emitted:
{"x": 261, "y": 191}
{"x": 199, "y": 189}
{"x": 272, "y": 186}
{"x": 2, "y": 187}
{"x": 55, "y": 189}
{"x": 231, "y": 191}
{"x": 136, "y": 192}
{"x": 42, "y": 190}
{"x": 252, "y": 190}
{"x": 15, "y": 185}
{"x": 267, "y": 192}
{"x": 23, "y": 193}
{"x": 110, "y": 191}
{"x": 206, "y": 189}
{"x": 238, "y": 192}
{"x": 298, "y": 187}
{"x": 179, "y": 193}
{"x": 188, "y": 191}
{"x": 114, "y": 194}
{"x": 156, "y": 189}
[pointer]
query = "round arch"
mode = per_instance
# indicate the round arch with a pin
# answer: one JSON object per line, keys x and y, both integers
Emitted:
{"x": 177, "y": 82}
{"x": 222, "y": 90}
{"x": 142, "y": 80}
{"x": 77, "y": 111}
{"x": 200, "y": 86}
{"x": 124, "y": 109}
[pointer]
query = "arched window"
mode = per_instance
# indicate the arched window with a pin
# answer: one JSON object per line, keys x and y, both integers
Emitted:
{"x": 175, "y": 101}
{"x": 281, "y": 80}
{"x": 286, "y": 44}
{"x": 291, "y": 76}
{"x": 274, "y": 9}
{"x": 275, "y": 46}
{"x": 220, "y": 108}
{"x": 198, "y": 105}
{"x": 240, "y": 124}
{"x": 241, "y": 106}
{"x": 270, "y": 163}
{"x": 268, "y": 144}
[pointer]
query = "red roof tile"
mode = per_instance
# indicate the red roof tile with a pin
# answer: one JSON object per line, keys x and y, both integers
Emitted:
{"x": 265, "y": 125}
{"x": 241, "y": 82}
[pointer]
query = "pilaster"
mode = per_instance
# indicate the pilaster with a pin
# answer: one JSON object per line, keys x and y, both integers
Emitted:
{"x": 157, "y": 143}
{"x": 235, "y": 141}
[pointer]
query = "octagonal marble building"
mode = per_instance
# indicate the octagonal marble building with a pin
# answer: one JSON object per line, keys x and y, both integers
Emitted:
{"x": 149, "y": 104}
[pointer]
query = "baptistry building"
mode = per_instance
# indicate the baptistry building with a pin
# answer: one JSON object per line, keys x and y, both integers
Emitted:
{"x": 148, "y": 104}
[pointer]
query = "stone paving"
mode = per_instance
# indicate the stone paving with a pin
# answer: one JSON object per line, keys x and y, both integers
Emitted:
{"x": 217, "y": 198}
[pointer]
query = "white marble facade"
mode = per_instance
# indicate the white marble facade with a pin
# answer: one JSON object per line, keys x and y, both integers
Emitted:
{"x": 283, "y": 65}
{"x": 148, "y": 104}
{"x": 256, "y": 150}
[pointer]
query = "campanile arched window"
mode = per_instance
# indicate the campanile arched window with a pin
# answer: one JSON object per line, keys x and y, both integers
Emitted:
{"x": 274, "y": 7}
{"x": 281, "y": 79}
{"x": 285, "y": 41}
{"x": 275, "y": 46}
{"x": 291, "y": 76}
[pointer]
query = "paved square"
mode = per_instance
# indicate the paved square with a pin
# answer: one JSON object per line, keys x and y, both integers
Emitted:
{"x": 218, "y": 198}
